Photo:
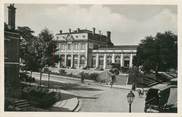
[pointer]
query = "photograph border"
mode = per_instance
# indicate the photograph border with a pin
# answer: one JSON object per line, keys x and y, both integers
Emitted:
{"x": 91, "y": 114}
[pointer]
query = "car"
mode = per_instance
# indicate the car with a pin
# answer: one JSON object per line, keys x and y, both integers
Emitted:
{"x": 162, "y": 98}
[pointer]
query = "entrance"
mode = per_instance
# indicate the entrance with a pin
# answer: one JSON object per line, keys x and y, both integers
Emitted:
{"x": 68, "y": 62}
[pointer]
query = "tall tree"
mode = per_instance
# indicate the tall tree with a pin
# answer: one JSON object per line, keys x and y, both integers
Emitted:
{"x": 27, "y": 48}
{"x": 157, "y": 53}
{"x": 46, "y": 50}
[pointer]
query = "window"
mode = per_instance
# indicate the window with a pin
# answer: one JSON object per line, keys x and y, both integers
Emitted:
{"x": 82, "y": 61}
{"x": 75, "y": 46}
{"x": 101, "y": 61}
{"x": 82, "y": 46}
{"x": 108, "y": 61}
{"x": 69, "y": 46}
{"x": 83, "y": 36}
{"x": 62, "y": 46}
{"x": 93, "y": 61}
{"x": 76, "y": 36}
{"x": 117, "y": 59}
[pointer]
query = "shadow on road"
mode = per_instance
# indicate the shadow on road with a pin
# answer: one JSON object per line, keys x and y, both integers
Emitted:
{"x": 68, "y": 86}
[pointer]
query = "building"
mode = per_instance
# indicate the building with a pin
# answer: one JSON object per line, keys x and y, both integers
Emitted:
{"x": 11, "y": 55}
{"x": 85, "y": 48}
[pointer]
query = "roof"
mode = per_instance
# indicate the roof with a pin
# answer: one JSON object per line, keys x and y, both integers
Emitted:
{"x": 122, "y": 47}
{"x": 76, "y": 31}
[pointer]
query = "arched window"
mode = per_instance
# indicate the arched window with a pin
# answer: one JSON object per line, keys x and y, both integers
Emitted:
{"x": 75, "y": 61}
{"x": 108, "y": 61}
{"x": 93, "y": 61}
{"x": 82, "y": 60}
{"x": 101, "y": 61}
{"x": 126, "y": 61}
{"x": 117, "y": 59}
{"x": 62, "y": 60}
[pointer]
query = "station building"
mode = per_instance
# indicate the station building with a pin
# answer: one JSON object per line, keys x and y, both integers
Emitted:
{"x": 82, "y": 48}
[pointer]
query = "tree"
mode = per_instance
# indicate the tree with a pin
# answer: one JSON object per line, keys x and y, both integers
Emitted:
{"x": 157, "y": 53}
{"x": 28, "y": 51}
{"x": 46, "y": 51}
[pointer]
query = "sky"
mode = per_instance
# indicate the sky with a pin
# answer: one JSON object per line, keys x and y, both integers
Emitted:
{"x": 129, "y": 24}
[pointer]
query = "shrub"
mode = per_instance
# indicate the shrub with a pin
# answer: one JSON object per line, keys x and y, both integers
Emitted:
{"x": 70, "y": 75}
{"x": 93, "y": 76}
{"x": 26, "y": 78}
{"x": 39, "y": 97}
{"x": 62, "y": 72}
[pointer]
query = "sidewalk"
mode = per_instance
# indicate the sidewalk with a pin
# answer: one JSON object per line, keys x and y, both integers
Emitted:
{"x": 64, "y": 77}
{"x": 89, "y": 82}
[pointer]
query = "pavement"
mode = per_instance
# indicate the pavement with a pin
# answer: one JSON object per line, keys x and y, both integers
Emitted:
{"x": 93, "y": 97}
{"x": 128, "y": 87}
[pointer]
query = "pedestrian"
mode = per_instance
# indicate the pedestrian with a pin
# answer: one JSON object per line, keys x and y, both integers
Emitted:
{"x": 112, "y": 80}
{"x": 82, "y": 79}
{"x": 133, "y": 87}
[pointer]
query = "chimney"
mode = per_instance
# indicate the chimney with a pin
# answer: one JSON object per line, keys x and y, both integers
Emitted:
{"x": 93, "y": 30}
{"x": 69, "y": 30}
{"x": 78, "y": 29}
{"x": 99, "y": 32}
{"x": 60, "y": 31}
{"x": 109, "y": 35}
{"x": 11, "y": 16}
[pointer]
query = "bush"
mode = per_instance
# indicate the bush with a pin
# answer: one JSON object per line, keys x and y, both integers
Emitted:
{"x": 39, "y": 97}
{"x": 124, "y": 69}
{"x": 70, "y": 75}
{"x": 93, "y": 76}
{"x": 62, "y": 72}
{"x": 26, "y": 78}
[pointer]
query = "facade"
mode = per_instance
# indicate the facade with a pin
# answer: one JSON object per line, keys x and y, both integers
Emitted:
{"x": 11, "y": 56}
{"x": 85, "y": 48}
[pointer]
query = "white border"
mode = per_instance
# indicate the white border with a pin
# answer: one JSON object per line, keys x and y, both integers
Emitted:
{"x": 91, "y": 114}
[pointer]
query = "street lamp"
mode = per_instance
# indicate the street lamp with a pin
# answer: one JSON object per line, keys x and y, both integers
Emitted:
{"x": 130, "y": 98}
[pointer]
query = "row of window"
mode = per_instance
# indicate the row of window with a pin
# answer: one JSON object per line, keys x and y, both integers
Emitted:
{"x": 64, "y": 37}
{"x": 109, "y": 61}
{"x": 74, "y": 46}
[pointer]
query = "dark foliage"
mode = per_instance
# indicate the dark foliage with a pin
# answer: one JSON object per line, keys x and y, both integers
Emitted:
{"x": 157, "y": 53}
{"x": 39, "y": 97}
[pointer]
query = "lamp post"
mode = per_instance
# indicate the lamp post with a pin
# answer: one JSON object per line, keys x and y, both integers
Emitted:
{"x": 130, "y": 98}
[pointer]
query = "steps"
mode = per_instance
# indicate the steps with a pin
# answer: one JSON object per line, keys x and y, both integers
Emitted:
{"x": 22, "y": 105}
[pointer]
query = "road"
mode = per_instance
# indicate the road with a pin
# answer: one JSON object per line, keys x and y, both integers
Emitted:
{"x": 96, "y": 98}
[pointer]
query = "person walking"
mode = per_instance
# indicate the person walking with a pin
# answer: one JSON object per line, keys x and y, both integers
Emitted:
{"x": 133, "y": 86}
{"x": 112, "y": 80}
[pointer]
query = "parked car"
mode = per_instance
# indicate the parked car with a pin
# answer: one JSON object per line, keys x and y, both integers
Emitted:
{"x": 162, "y": 98}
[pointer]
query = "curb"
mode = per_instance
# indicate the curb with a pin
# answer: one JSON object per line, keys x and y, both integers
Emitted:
{"x": 69, "y": 105}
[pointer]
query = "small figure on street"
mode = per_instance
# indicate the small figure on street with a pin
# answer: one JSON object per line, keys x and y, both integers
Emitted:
{"x": 133, "y": 86}
{"x": 140, "y": 92}
{"x": 82, "y": 79}
{"x": 112, "y": 80}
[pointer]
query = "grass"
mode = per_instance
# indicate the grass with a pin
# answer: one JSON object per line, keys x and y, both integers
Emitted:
{"x": 66, "y": 86}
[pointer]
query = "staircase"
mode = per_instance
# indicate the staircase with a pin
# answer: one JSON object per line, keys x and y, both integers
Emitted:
{"x": 22, "y": 105}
